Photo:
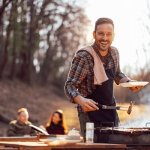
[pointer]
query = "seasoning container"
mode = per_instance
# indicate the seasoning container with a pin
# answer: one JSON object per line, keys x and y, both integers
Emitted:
{"x": 89, "y": 132}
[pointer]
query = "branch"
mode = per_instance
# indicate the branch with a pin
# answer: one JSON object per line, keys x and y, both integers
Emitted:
{"x": 4, "y": 5}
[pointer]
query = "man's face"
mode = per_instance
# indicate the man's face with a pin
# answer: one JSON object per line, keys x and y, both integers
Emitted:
{"x": 23, "y": 117}
{"x": 104, "y": 36}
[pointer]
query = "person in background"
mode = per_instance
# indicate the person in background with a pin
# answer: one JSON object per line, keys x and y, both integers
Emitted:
{"x": 21, "y": 126}
{"x": 91, "y": 77}
{"x": 56, "y": 123}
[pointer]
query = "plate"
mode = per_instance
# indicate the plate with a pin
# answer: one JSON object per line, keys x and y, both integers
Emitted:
{"x": 60, "y": 140}
{"x": 134, "y": 83}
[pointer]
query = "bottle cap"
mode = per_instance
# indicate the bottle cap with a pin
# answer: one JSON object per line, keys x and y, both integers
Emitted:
{"x": 90, "y": 125}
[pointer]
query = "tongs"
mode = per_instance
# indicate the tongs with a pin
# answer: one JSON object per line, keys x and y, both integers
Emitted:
{"x": 128, "y": 109}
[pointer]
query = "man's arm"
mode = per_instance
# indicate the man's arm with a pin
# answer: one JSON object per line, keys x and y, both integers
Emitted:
{"x": 33, "y": 132}
{"x": 11, "y": 130}
{"x": 120, "y": 77}
{"x": 31, "y": 129}
{"x": 77, "y": 74}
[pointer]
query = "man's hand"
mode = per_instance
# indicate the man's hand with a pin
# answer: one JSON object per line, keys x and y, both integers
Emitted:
{"x": 86, "y": 104}
{"x": 136, "y": 88}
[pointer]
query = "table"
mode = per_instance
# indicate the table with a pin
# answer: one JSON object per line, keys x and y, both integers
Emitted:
{"x": 34, "y": 143}
{"x": 77, "y": 146}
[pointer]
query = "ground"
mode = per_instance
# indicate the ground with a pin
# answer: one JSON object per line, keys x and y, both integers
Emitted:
{"x": 40, "y": 102}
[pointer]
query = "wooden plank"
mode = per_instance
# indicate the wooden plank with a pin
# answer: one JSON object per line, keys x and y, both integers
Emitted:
{"x": 21, "y": 138}
{"x": 8, "y": 148}
{"x": 65, "y": 146}
{"x": 102, "y": 145}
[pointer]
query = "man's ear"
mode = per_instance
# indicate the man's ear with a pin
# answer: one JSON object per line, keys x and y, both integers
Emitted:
{"x": 94, "y": 34}
{"x": 113, "y": 36}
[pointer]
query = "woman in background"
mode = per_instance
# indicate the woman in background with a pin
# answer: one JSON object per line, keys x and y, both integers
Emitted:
{"x": 56, "y": 123}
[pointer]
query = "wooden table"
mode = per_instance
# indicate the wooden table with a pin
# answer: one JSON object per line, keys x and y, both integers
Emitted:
{"x": 20, "y": 139}
{"x": 75, "y": 146}
{"x": 34, "y": 143}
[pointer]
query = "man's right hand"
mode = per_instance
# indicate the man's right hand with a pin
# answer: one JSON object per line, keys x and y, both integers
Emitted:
{"x": 86, "y": 104}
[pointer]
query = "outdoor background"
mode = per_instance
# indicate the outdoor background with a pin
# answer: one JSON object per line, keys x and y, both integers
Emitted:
{"x": 38, "y": 39}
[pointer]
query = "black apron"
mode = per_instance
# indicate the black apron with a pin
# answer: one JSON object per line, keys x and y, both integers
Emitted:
{"x": 103, "y": 94}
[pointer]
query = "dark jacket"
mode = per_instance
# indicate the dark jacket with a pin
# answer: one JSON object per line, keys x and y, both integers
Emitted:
{"x": 17, "y": 129}
{"x": 55, "y": 129}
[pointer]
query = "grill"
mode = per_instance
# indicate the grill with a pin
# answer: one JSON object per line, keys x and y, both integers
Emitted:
{"x": 123, "y": 135}
{"x": 126, "y": 131}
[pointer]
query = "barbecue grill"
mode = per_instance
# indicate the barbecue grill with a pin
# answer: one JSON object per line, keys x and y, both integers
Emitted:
{"x": 123, "y": 135}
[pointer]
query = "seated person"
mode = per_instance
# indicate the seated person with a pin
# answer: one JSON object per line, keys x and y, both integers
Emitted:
{"x": 56, "y": 123}
{"x": 21, "y": 126}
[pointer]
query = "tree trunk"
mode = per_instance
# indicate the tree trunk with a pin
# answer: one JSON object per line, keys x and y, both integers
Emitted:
{"x": 3, "y": 48}
{"x": 31, "y": 43}
{"x": 14, "y": 44}
{"x": 6, "y": 44}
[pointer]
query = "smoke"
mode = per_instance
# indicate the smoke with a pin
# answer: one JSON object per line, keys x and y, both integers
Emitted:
{"x": 136, "y": 123}
{"x": 139, "y": 118}
{"x": 144, "y": 95}
{"x": 146, "y": 98}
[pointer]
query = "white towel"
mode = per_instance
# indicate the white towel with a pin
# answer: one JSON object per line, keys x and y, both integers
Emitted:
{"x": 99, "y": 72}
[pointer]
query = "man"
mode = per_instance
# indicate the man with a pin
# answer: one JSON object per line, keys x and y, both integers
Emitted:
{"x": 21, "y": 126}
{"x": 90, "y": 80}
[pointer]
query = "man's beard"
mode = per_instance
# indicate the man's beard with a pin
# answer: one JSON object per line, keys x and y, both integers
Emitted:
{"x": 102, "y": 47}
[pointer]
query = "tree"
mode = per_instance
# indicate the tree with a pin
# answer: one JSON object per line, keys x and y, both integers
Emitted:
{"x": 43, "y": 31}
{"x": 65, "y": 35}
{"x": 3, "y": 53}
{"x": 144, "y": 71}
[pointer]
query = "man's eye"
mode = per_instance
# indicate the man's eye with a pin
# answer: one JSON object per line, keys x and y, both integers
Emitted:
{"x": 101, "y": 34}
{"x": 109, "y": 34}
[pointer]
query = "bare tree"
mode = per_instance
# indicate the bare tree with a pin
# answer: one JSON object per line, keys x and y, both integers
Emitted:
{"x": 57, "y": 25}
{"x": 63, "y": 37}
{"x": 3, "y": 53}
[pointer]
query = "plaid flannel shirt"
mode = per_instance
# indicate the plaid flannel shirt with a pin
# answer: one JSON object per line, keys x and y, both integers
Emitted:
{"x": 80, "y": 79}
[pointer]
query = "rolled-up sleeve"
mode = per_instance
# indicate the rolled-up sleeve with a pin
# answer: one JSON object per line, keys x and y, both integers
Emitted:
{"x": 77, "y": 74}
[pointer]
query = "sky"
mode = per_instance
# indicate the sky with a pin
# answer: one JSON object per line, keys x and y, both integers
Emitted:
{"x": 129, "y": 17}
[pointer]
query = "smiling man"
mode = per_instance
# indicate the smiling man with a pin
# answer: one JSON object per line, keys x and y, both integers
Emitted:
{"x": 92, "y": 74}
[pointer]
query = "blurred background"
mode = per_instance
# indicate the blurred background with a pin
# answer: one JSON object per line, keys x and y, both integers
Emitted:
{"x": 38, "y": 39}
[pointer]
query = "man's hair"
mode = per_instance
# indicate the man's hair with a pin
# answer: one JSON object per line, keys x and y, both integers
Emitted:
{"x": 103, "y": 21}
{"x": 22, "y": 110}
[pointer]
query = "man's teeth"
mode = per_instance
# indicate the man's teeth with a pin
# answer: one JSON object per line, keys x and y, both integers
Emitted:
{"x": 103, "y": 42}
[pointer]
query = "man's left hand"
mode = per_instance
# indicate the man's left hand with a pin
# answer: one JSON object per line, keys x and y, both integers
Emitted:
{"x": 136, "y": 88}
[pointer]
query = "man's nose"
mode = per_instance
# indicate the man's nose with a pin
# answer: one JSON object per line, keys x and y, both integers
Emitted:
{"x": 104, "y": 37}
